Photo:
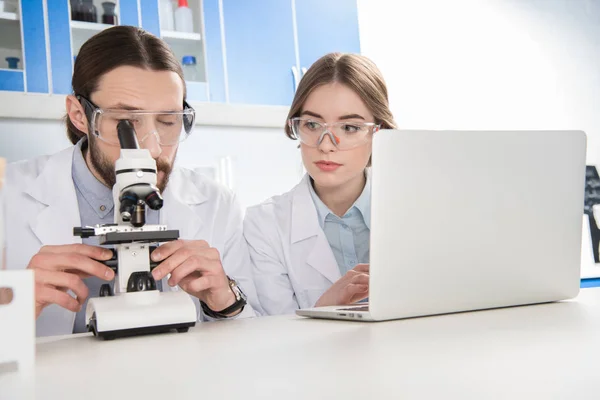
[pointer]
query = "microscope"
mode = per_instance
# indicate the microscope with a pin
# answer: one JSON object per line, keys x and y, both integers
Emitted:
{"x": 135, "y": 306}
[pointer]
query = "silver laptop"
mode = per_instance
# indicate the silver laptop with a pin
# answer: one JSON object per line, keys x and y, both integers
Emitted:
{"x": 471, "y": 220}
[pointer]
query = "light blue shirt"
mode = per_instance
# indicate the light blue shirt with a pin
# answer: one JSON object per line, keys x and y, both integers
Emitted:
{"x": 96, "y": 207}
{"x": 348, "y": 236}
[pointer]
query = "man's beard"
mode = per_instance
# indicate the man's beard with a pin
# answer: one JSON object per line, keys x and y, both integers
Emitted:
{"x": 106, "y": 169}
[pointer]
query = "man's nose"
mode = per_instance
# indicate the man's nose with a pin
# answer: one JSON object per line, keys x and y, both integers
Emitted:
{"x": 152, "y": 143}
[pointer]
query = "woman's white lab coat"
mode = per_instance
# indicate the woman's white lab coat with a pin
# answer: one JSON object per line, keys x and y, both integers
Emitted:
{"x": 293, "y": 262}
{"x": 40, "y": 205}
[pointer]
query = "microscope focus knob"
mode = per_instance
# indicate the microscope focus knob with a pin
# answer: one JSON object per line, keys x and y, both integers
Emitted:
{"x": 105, "y": 290}
{"x": 141, "y": 281}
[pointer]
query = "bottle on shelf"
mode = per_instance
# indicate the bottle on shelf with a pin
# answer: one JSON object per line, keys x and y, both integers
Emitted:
{"x": 77, "y": 10}
{"x": 167, "y": 17}
{"x": 109, "y": 17}
{"x": 89, "y": 11}
{"x": 83, "y": 10}
{"x": 13, "y": 62}
{"x": 183, "y": 17}
{"x": 190, "y": 71}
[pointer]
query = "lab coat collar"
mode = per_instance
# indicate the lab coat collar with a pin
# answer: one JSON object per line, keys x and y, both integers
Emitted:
{"x": 305, "y": 220}
{"x": 305, "y": 226}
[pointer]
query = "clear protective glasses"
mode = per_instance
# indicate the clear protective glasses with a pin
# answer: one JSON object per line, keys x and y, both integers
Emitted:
{"x": 345, "y": 135}
{"x": 169, "y": 127}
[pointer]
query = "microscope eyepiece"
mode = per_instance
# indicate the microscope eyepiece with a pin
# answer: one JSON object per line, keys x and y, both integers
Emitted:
{"x": 127, "y": 136}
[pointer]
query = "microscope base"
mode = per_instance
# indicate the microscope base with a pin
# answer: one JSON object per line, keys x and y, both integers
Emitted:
{"x": 140, "y": 313}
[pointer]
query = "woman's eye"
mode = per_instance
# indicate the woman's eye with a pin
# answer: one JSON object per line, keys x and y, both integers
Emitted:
{"x": 312, "y": 125}
{"x": 351, "y": 128}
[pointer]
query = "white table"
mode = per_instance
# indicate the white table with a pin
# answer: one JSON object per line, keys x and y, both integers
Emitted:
{"x": 549, "y": 351}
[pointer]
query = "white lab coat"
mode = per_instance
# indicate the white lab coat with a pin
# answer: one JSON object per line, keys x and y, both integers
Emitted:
{"x": 293, "y": 262}
{"x": 41, "y": 208}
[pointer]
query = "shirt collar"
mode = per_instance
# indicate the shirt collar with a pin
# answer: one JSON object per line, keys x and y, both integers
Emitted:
{"x": 362, "y": 204}
{"x": 96, "y": 194}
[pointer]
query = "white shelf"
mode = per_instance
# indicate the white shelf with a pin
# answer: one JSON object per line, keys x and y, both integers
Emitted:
{"x": 89, "y": 26}
{"x": 9, "y": 16}
{"x": 181, "y": 36}
{"x": 11, "y": 70}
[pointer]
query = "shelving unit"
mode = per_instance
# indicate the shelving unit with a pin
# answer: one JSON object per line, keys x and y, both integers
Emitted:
{"x": 182, "y": 37}
{"x": 81, "y": 31}
{"x": 190, "y": 44}
{"x": 9, "y": 16}
{"x": 10, "y": 40}
{"x": 89, "y": 26}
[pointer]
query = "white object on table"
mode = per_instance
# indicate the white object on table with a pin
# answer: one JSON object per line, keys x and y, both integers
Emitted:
{"x": 545, "y": 351}
{"x": 17, "y": 335}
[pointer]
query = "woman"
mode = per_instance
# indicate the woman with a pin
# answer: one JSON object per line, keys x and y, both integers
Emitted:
{"x": 310, "y": 246}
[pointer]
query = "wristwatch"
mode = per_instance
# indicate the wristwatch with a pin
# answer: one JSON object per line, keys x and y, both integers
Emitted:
{"x": 240, "y": 302}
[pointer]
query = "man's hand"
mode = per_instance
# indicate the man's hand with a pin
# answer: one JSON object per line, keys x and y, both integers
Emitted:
{"x": 350, "y": 288}
{"x": 58, "y": 269}
{"x": 196, "y": 268}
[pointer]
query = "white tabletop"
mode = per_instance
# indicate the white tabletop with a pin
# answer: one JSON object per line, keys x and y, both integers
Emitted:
{"x": 549, "y": 351}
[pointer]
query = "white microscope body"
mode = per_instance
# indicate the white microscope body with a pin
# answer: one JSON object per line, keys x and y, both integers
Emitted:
{"x": 136, "y": 306}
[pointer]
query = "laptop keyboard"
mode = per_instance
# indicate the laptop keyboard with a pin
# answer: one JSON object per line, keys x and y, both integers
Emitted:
{"x": 359, "y": 308}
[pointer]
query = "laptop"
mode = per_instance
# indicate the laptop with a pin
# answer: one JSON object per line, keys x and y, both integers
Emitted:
{"x": 471, "y": 220}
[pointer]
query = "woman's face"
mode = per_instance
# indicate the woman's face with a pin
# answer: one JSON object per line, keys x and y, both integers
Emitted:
{"x": 328, "y": 165}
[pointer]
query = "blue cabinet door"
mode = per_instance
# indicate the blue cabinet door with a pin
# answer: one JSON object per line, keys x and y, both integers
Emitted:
{"x": 149, "y": 14}
{"x": 34, "y": 46}
{"x": 325, "y": 27}
{"x": 213, "y": 44}
{"x": 259, "y": 51}
{"x": 129, "y": 13}
{"x": 61, "y": 57}
{"x": 34, "y": 77}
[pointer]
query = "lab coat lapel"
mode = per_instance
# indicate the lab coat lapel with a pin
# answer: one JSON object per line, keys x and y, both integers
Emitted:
{"x": 181, "y": 197}
{"x": 58, "y": 208}
{"x": 308, "y": 239}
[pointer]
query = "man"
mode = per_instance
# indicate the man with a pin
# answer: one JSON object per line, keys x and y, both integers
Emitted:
{"x": 123, "y": 73}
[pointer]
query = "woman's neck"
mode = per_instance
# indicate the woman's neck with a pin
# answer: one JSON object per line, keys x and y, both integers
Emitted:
{"x": 339, "y": 199}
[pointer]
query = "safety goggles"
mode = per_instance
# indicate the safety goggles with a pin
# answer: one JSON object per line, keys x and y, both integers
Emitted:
{"x": 169, "y": 127}
{"x": 344, "y": 135}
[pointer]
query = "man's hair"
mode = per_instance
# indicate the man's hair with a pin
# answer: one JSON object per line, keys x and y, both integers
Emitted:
{"x": 116, "y": 47}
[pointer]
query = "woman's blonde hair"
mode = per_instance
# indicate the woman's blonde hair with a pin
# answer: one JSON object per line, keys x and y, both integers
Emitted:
{"x": 353, "y": 70}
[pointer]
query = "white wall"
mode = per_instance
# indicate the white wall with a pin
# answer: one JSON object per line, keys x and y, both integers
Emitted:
{"x": 264, "y": 161}
{"x": 489, "y": 64}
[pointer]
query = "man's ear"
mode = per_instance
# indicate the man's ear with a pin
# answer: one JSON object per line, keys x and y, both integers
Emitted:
{"x": 76, "y": 114}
